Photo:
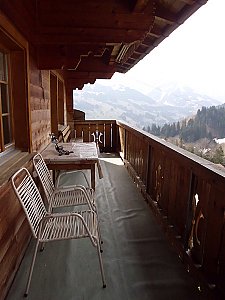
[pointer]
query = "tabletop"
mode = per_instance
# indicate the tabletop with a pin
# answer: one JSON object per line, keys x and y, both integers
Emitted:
{"x": 81, "y": 152}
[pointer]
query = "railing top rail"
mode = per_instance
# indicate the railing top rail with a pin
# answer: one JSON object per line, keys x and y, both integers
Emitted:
{"x": 94, "y": 121}
{"x": 189, "y": 159}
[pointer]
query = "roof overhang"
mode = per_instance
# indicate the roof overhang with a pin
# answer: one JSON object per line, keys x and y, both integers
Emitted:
{"x": 95, "y": 39}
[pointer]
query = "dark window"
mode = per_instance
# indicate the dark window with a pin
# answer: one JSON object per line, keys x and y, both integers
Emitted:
{"x": 6, "y": 136}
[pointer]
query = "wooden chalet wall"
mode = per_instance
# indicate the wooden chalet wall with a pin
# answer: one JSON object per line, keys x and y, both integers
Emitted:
{"x": 14, "y": 229}
{"x": 39, "y": 106}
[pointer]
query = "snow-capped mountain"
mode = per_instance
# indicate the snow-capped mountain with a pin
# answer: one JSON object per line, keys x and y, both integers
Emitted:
{"x": 179, "y": 96}
{"x": 160, "y": 105}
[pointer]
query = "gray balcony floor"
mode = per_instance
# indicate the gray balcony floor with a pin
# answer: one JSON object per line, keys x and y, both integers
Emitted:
{"x": 138, "y": 261}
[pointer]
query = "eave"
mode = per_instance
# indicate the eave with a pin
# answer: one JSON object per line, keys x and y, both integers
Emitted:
{"x": 104, "y": 36}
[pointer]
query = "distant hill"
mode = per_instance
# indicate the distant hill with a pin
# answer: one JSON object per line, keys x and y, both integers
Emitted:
{"x": 202, "y": 134}
{"x": 207, "y": 123}
{"x": 159, "y": 106}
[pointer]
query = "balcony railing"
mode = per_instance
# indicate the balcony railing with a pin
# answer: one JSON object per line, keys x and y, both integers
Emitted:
{"x": 105, "y": 132}
{"x": 185, "y": 192}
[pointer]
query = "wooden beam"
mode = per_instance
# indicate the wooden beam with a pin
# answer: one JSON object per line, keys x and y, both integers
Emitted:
{"x": 113, "y": 22}
{"x": 88, "y": 36}
{"x": 54, "y": 62}
{"x": 80, "y": 6}
{"x": 78, "y": 79}
{"x": 58, "y": 19}
{"x": 164, "y": 14}
{"x": 140, "y": 6}
{"x": 54, "y": 104}
{"x": 22, "y": 14}
{"x": 94, "y": 64}
{"x": 52, "y": 57}
{"x": 73, "y": 75}
{"x": 156, "y": 31}
{"x": 189, "y": 2}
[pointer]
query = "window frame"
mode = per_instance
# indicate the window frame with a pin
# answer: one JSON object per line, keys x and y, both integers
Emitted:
{"x": 16, "y": 48}
{"x": 57, "y": 101}
{"x": 4, "y": 146}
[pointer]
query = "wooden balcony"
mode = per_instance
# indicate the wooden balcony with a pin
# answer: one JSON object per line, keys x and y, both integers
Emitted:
{"x": 184, "y": 208}
{"x": 49, "y": 53}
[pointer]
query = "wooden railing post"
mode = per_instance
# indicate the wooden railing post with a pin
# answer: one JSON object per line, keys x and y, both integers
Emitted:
{"x": 191, "y": 206}
{"x": 149, "y": 170}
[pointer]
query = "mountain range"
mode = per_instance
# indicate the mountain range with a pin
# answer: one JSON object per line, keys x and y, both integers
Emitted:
{"x": 159, "y": 105}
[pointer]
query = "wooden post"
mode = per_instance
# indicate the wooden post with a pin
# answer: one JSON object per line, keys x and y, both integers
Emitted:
{"x": 149, "y": 170}
{"x": 69, "y": 107}
{"x": 54, "y": 104}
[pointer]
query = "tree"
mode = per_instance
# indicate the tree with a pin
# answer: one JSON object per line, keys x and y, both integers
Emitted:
{"x": 218, "y": 157}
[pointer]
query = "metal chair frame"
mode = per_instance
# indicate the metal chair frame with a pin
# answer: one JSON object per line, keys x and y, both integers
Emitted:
{"x": 65, "y": 195}
{"x": 47, "y": 227}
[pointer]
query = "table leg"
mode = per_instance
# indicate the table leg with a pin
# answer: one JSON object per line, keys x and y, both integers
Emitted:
{"x": 93, "y": 176}
{"x": 54, "y": 176}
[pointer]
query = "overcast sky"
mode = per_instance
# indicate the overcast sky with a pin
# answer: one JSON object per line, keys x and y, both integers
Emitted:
{"x": 193, "y": 55}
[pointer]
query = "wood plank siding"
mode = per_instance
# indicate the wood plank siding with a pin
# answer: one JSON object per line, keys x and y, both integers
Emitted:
{"x": 39, "y": 106}
{"x": 31, "y": 101}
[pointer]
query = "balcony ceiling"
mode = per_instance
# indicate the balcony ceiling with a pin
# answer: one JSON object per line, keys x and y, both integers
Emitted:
{"x": 89, "y": 39}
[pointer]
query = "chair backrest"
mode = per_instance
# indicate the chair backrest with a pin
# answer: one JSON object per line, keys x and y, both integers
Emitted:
{"x": 30, "y": 198}
{"x": 44, "y": 176}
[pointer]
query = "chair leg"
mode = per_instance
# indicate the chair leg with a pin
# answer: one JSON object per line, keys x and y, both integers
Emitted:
{"x": 31, "y": 268}
{"x": 101, "y": 264}
{"x": 99, "y": 236}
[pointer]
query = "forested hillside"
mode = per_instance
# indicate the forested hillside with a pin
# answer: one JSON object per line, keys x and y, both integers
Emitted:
{"x": 198, "y": 134}
{"x": 207, "y": 123}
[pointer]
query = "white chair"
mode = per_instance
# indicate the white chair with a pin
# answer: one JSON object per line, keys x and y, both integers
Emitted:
{"x": 63, "y": 196}
{"x": 48, "y": 227}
